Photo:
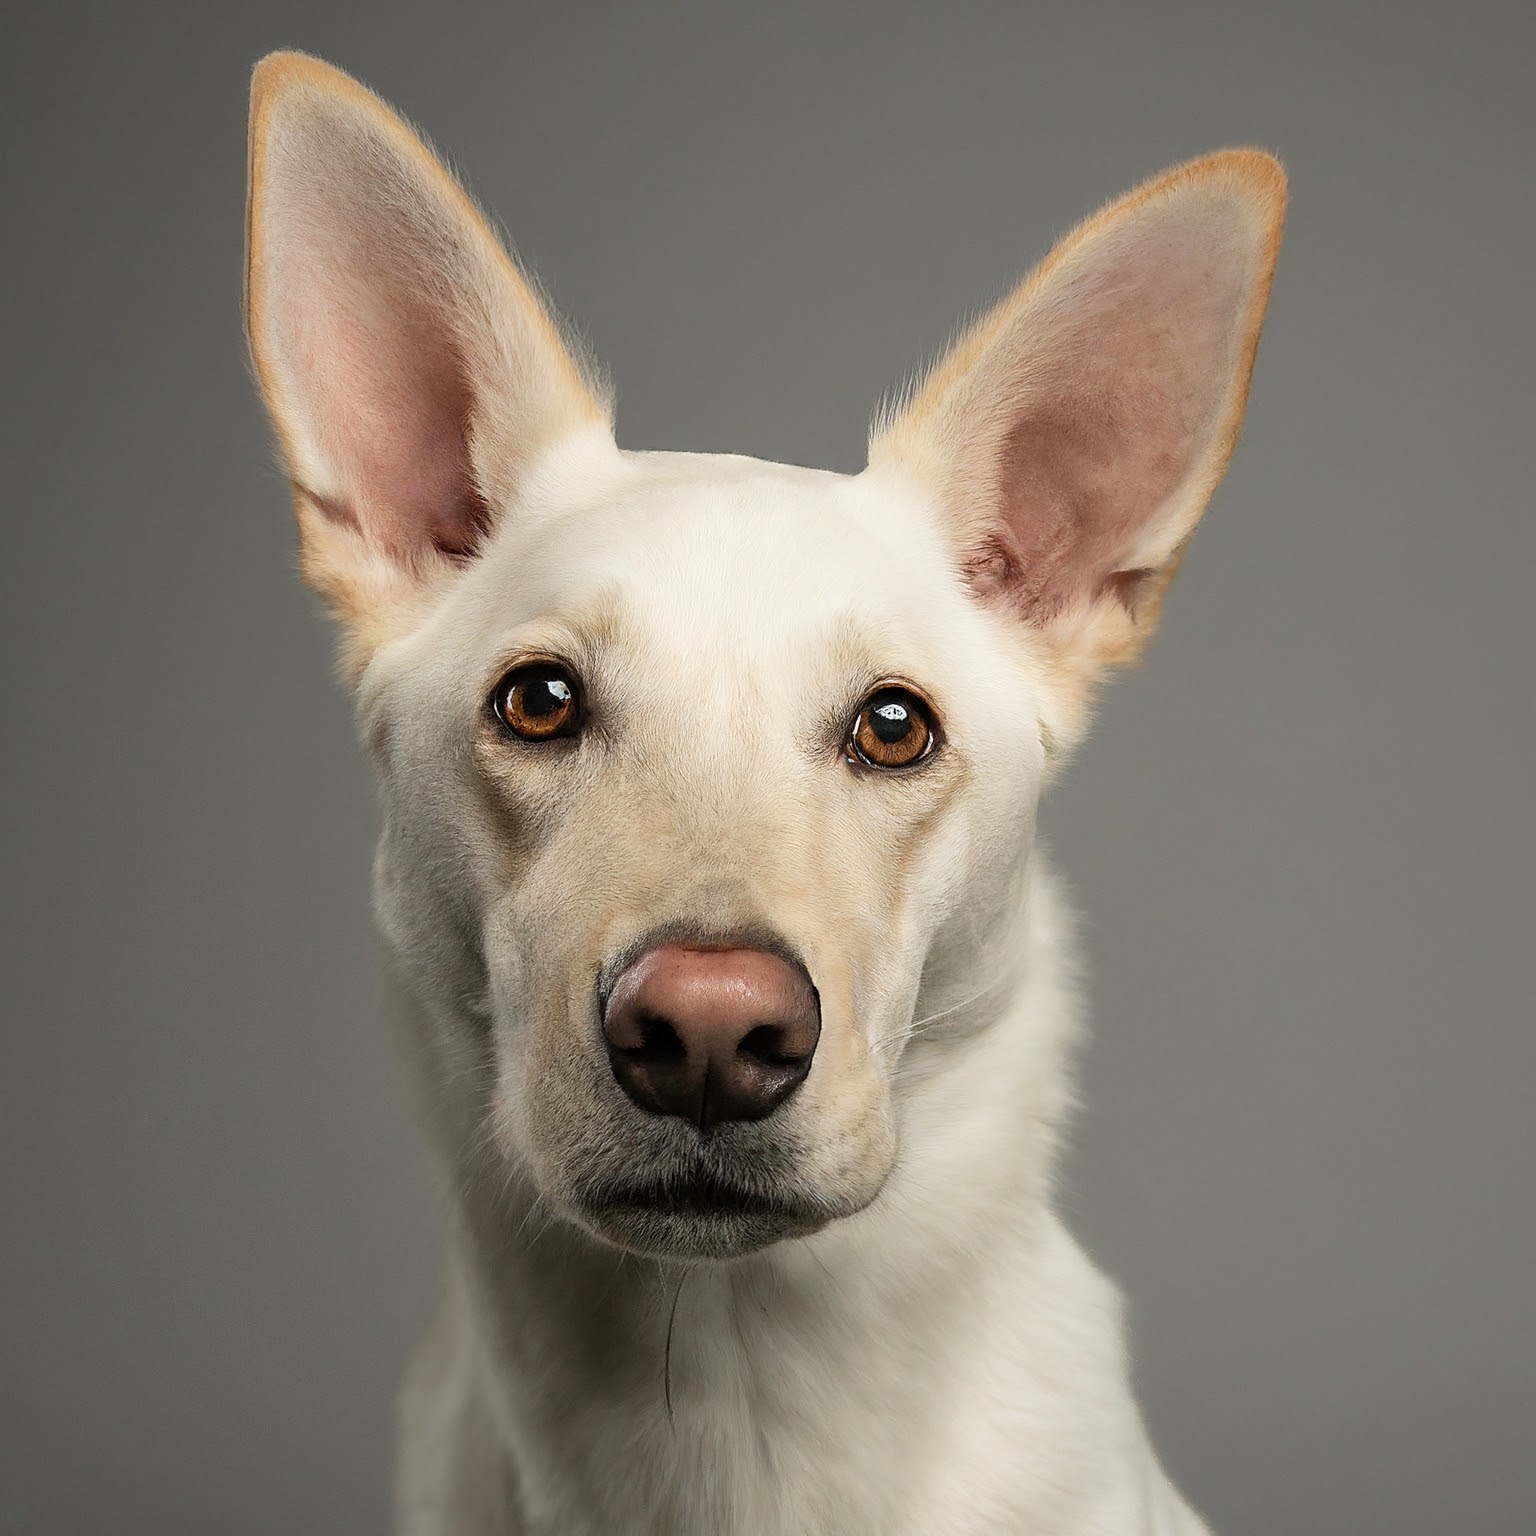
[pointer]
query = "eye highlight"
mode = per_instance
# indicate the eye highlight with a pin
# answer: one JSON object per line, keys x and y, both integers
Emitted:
{"x": 539, "y": 701}
{"x": 894, "y": 728}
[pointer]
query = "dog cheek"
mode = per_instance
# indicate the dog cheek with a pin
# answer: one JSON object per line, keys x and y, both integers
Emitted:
{"x": 850, "y": 1151}
{"x": 549, "y": 1074}
{"x": 516, "y": 981}
{"x": 537, "y": 1111}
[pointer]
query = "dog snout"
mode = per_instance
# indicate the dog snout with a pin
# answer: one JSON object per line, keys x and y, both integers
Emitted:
{"x": 712, "y": 1035}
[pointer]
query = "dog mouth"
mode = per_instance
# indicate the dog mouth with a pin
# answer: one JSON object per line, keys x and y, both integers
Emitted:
{"x": 696, "y": 1215}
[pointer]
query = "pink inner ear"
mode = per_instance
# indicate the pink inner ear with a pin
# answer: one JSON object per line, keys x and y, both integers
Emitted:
{"x": 388, "y": 388}
{"x": 373, "y": 287}
{"x": 1106, "y": 405}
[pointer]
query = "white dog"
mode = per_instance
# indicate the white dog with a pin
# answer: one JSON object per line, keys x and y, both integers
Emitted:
{"x": 739, "y": 998}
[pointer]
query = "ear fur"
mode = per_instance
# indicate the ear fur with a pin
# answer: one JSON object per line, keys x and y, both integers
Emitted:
{"x": 411, "y": 372}
{"x": 1072, "y": 438}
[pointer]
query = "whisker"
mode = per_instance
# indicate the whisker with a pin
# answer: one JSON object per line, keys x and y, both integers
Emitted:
{"x": 550, "y": 1217}
{"x": 837, "y": 1284}
{"x": 538, "y": 1200}
{"x": 666, "y": 1364}
{"x": 919, "y": 1026}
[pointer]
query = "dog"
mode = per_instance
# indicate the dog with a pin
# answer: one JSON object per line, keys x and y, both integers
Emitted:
{"x": 738, "y": 997}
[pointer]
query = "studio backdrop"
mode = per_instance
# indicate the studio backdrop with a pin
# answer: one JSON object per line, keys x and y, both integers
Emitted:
{"x": 1302, "y": 835}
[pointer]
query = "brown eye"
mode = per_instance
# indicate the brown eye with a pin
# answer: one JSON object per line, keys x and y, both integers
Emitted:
{"x": 894, "y": 729}
{"x": 539, "y": 701}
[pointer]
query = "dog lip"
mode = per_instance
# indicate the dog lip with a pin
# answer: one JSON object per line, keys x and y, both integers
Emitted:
{"x": 697, "y": 1194}
{"x": 696, "y": 1215}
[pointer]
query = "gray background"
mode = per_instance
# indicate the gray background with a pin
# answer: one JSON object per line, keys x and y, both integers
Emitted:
{"x": 1303, "y": 834}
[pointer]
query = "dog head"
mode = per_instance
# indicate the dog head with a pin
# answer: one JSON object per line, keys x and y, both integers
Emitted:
{"x": 705, "y": 779}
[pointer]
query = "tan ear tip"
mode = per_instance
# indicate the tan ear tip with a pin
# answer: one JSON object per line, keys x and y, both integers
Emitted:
{"x": 285, "y": 68}
{"x": 1258, "y": 173}
{"x": 272, "y": 68}
{"x": 1260, "y": 168}
{"x": 1246, "y": 174}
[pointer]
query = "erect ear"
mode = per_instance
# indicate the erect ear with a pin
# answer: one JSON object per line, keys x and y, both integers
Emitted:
{"x": 411, "y": 372}
{"x": 1073, "y": 437}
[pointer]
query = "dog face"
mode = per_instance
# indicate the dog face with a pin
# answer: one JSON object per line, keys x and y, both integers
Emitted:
{"x": 721, "y": 626}
{"x": 706, "y": 781}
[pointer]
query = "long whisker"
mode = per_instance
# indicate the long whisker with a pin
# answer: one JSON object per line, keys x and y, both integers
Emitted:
{"x": 919, "y": 1026}
{"x": 535, "y": 1204}
{"x": 666, "y": 1364}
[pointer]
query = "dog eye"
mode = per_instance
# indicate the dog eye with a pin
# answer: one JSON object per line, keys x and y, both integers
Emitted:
{"x": 539, "y": 701}
{"x": 893, "y": 729}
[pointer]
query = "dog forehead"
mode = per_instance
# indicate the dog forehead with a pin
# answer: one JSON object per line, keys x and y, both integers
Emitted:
{"x": 693, "y": 544}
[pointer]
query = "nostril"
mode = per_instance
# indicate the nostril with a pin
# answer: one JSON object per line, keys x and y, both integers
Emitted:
{"x": 659, "y": 1040}
{"x": 773, "y": 1045}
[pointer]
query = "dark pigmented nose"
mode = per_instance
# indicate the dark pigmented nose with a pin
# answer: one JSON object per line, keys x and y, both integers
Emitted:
{"x": 711, "y": 1034}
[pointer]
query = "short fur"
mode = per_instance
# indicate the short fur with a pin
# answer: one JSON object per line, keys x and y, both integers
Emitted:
{"x": 920, "y": 1347}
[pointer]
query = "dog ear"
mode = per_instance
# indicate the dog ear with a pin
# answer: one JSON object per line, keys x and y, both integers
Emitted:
{"x": 411, "y": 372}
{"x": 1073, "y": 437}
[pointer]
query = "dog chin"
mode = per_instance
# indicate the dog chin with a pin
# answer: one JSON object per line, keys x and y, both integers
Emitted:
{"x": 696, "y": 1218}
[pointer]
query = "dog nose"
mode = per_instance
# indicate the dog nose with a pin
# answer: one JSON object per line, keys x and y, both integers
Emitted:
{"x": 711, "y": 1034}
